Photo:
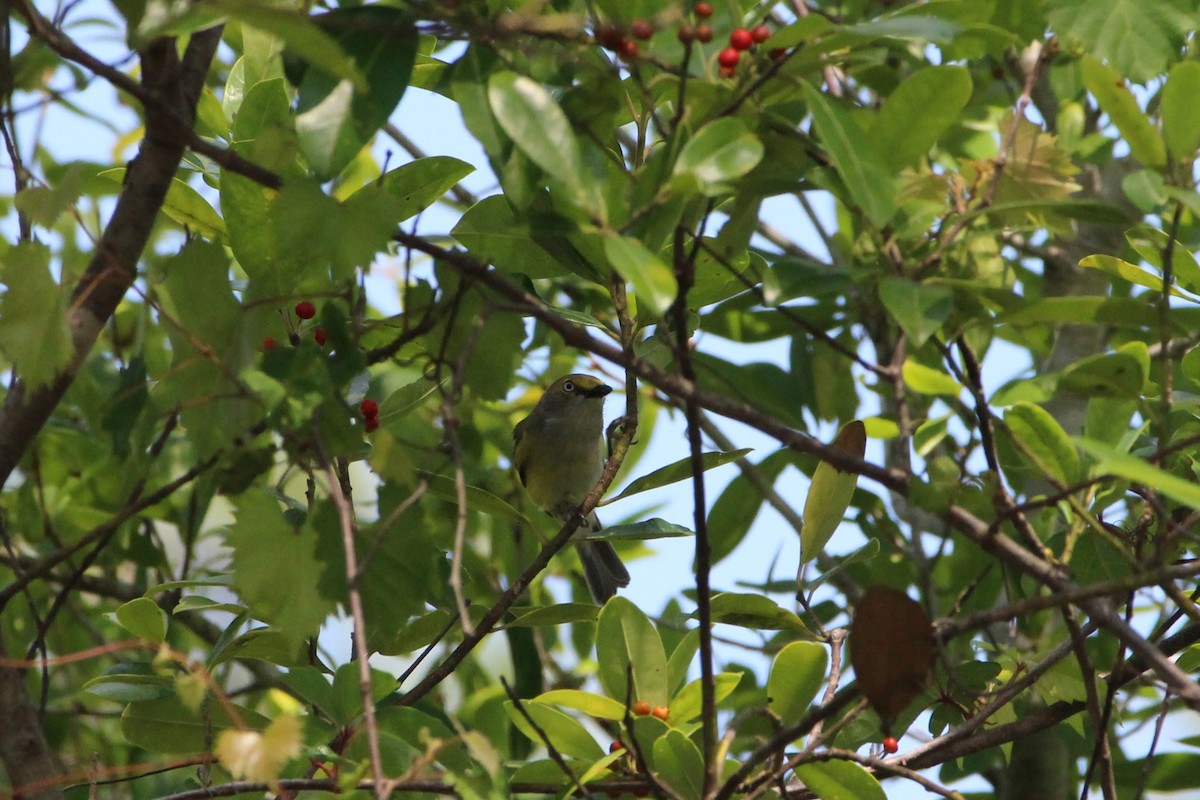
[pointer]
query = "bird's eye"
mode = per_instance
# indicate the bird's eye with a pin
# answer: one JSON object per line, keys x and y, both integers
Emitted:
{"x": 569, "y": 386}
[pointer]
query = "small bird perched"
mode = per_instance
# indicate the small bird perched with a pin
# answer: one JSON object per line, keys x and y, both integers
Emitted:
{"x": 559, "y": 453}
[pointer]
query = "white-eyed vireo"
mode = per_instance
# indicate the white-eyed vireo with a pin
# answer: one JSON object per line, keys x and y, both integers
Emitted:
{"x": 559, "y": 453}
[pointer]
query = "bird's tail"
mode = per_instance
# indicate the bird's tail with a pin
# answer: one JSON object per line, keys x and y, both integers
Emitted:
{"x": 602, "y": 568}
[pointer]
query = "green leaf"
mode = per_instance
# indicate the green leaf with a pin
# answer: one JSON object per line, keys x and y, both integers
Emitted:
{"x": 1120, "y": 374}
{"x": 493, "y": 234}
{"x": 1040, "y": 434}
{"x": 1130, "y": 272}
{"x": 679, "y": 471}
{"x": 34, "y": 334}
{"x": 131, "y": 682}
{"x": 677, "y": 761}
{"x": 1126, "y": 312}
{"x": 536, "y": 124}
{"x": 626, "y": 638}
{"x": 282, "y": 591}
{"x": 347, "y": 696}
{"x": 423, "y": 182}
{"x": 1113, "y": 461}
{"x": 1109, "y": 89}
{"x": 653, "y": 528}
{"x": 918, "y": 112}
{"x": 312, "y": 685}
{"x": 558, "y": 614}
{"x": 927, "y": 380}
{"x": 169, "y": 726}
{"x": 720, "y": 152}
{"x": 263, "y": 132}
{"x": 830, "y": 493}
{"x": 1097, "y": 559}
{"x": 1180, "y": 111}
{"x": 919, "y": 308}
{"x": 796, "y": 676}
{"x": 302, "y": 36}
{"x": 565, "y": 734}
{"x": 1138, "y": 37}
{"x": 854, "y": 155}
{"x": 755, "y": 612}
{"x": 594, "y": 705}
{"x": 654, "y": 283}
{"x": 477, "y": 499}
{"x": 839, "y": 780}
{"x": 337, "y": 116}
{"x": 681, "y": 659}
{"x": 687, "y": 703}
{"x": 143, "y": 618}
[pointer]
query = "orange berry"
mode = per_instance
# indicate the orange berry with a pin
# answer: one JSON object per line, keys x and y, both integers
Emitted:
{"x": 616, "y": 746}
{"x": 890, "y": 745}
{"x": 662, "y": 712}
{"x": 641, "y": 708}
{"x": 704, "y": 33}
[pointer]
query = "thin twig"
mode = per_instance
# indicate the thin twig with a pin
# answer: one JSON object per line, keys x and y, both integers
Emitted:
{"x": 338, "y": 493}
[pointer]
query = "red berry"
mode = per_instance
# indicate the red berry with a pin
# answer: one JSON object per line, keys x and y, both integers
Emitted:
{"x": 760, "y": 34}
{"x": 890, "y": 745}
{"x": 728, "y": 72}
{"x": 729, "y": 58}
{"x": 641, "y": 708}
{"x": 616, "y": 746}
{"x": 628, "y": 50}
{"x": 641, "y": 29}
{"x": 609, "y": 37}
{"x": 371, "y": 424}
{"x": 704, "y": 33}
{"x": 703, "y": 10}
{"x": 305, "y": 309}
{"x": 369, "y": 408}
{"x": 687, "y": 34}
{"x": 319, "y": 335}
{"x": 662, "y": 712}
{"x": 268, "y": 343}
{"x": 741, "y": 39}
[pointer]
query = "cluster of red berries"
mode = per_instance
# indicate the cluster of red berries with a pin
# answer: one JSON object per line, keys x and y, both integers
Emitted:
{"x": 741, "y": 39}
{"x": 305, "y": 310}
{"x": 623, "y": 42}
{"x": 702, "y": 32}
{"x": 370, "y": 411}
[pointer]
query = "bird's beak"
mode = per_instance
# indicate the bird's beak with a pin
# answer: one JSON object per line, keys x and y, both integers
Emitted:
{"x": 599, "y": 391}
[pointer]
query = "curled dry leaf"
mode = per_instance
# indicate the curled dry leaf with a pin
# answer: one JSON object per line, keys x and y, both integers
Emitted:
{"x": 892, "y": 650}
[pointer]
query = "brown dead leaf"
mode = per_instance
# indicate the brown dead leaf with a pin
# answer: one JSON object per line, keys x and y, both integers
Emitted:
{"x": 892, "y": 650}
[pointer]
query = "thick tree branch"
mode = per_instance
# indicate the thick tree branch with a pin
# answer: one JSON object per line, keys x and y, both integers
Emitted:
{"x": 113, "y": 268}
